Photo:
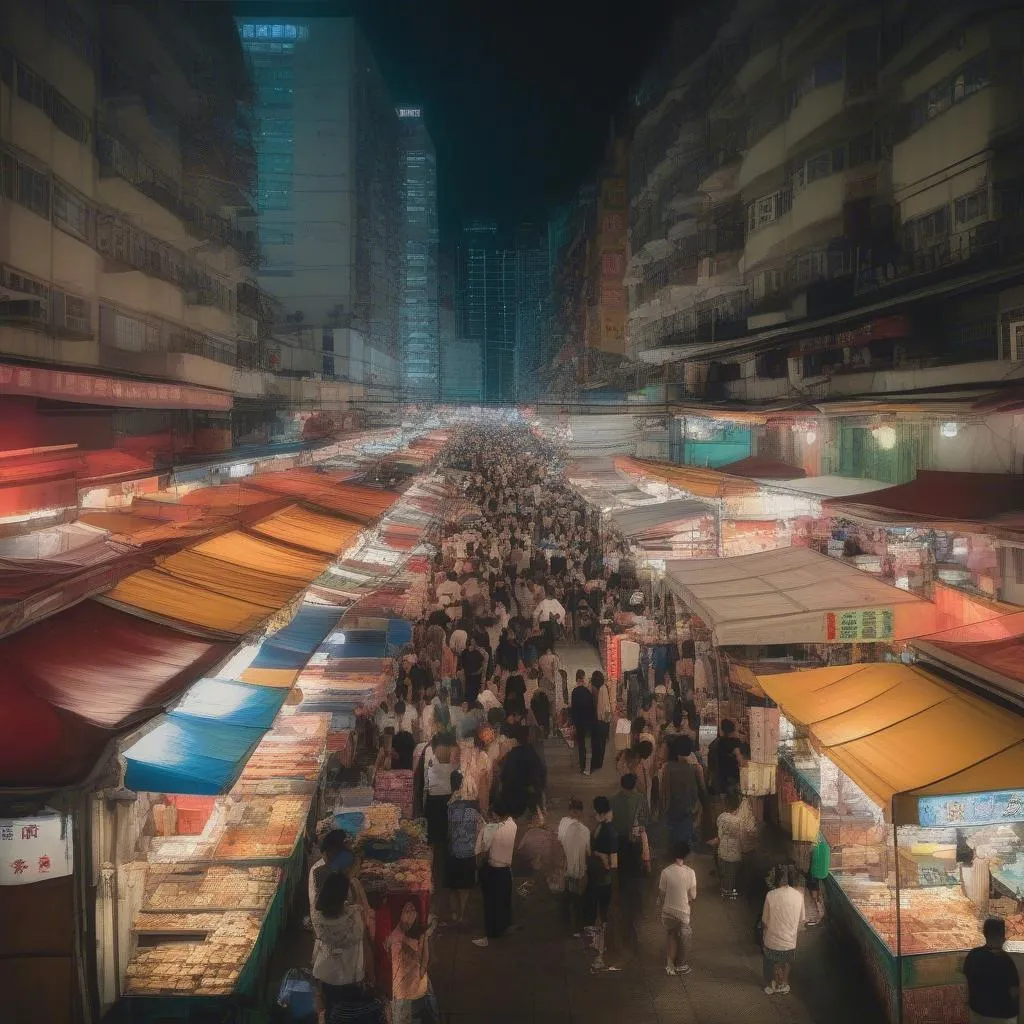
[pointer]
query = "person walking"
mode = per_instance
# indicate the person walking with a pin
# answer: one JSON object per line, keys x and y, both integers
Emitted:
{"x": 412, "y": 1000}
{"x": 465, "y": 823}
{"x": 583, "y": 715}
{"x": 629, "y": 820}
{"x": 575, "y": 839}
{"x": 728, "y": 844}
{"x": 781, "y": 918}
{"x": 677, "y": 889}
{"x": 600, "y": 867}
{"x": 679, "y": 790}
{"x": 602, "y": 720}
{"x": 993, "y": 985}
{"x": 498, "y": 845}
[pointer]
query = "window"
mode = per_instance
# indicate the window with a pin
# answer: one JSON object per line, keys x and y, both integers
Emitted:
{"x": 41, "y": 94}
{"x": 973, "y": 206}
{"x": 33, "y": 191}
{"x": 927, "y": 231}
{"x": 72, "y": 213}
{"x": 953, "y": 89}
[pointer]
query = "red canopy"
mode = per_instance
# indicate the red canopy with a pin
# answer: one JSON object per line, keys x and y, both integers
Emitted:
{"x": 996, "y": 645}
{"x": 936, "y": 498}
{"x": 76, "y": 678}
{"x": 758, "y": 467}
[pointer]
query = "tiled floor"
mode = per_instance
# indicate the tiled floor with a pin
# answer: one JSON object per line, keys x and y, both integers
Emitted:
{"x": 541, "y": 975}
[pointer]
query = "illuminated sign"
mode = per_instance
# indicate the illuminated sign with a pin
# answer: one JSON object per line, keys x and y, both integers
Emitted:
{"x": 410, "y": 112}
{"x": 276, "y": 32}
{"x": 971, "y": 808}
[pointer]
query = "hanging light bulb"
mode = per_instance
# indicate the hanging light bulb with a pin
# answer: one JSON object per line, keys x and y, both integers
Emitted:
{"x": 810, "y": 437}
{"x": 950, "y": 429}
{"x": 885, "y": 437}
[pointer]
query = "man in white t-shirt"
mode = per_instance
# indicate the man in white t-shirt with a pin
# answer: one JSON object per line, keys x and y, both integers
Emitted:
{"x": 677, "y": 889}
{"x": 782, "y": 917}
{"x": 575, "y": 839}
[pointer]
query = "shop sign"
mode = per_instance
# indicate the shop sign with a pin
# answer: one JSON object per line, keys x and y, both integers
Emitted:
{"x": 89, "y": 388}
{"x": 971, "y": 808}
{"x": 33, "y": 849}
{"x": 859, "y": 625}
{"x": 880, "y": 329}
{"x": 613, "y": 659}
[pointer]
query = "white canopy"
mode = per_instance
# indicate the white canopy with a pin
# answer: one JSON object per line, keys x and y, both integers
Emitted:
{"x": 631, "y": 522}
{"x": 789, "y": 596}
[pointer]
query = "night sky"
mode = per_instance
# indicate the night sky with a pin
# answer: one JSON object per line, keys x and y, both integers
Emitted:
{"x": 518, "y": 94}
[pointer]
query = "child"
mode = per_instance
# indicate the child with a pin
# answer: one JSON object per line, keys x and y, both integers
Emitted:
{"x": 729, "y": 844}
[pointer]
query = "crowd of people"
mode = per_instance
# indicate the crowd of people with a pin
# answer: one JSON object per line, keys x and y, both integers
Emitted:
{"x": 475, "y": 698}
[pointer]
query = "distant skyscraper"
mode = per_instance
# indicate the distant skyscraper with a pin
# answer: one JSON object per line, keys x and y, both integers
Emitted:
{"x": 419, "y": 344}
{"x": 328, "y": 195}
{"x": 532, "y": 290}
{"x": 487, "y": 286}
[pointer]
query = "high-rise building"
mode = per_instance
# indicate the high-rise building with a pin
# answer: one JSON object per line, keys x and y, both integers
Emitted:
{"x": 419, "y": 344}
{"x": 532, "y": 289}
{"x": 487, "y": 286}
{"x": 329, "y": 197}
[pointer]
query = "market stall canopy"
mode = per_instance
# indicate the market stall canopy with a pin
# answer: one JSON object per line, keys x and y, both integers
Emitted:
{"x": 291, "y": 647}
{"x": 74, "y": 680}
{"x": 189, "y": 756}
{"x": 296, "y": 567}
{"x": 938, "y": 499}
{"x": 829, "y": 486}
{"x": 795, "y": 595}
{"x": 760, "y": 467}
{"x": 298, "y": 527}
{"x": 631, "y": 522}
{"x": 991, "y": 652}
{"x": 321, "y": 490}
{"x": 902, "y": 734}
{"x": 704, "y": 483}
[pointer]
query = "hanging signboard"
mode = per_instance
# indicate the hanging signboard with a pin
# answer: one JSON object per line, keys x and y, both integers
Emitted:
{"x": 859, "y": 625}
{"x": 971, "y": 808}
{"x": 35, "y": 848}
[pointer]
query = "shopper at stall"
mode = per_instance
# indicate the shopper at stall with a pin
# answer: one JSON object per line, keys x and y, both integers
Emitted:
{"x": 677, "y": 889}
{"x": 523, "y": 774}
{"x": 412, "y": 1001}
{"x": 602, "y": 720}
{"x": 781, "y": 919}
{"x": 583, "y": 715}
{"x": 465, "y": 823}
{"x": 993, "y": 985}
{"x": 340, "y": 928}
{"x": 498, "y": 846}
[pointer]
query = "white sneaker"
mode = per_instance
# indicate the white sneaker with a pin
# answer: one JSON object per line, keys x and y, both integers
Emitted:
{"x": 770, "y": 990}
{"x": 482, "y": 943}
{"x": 783, "y": 990}
{"x": 586, "y": 771}
{"x": 670, "y": 970}
{"x": 683, "y": 969}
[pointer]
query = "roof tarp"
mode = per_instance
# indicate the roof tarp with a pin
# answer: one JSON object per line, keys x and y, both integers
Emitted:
{"x": 828, "y": 486}
{"x": 74, "y": 679}
{"x": 329, "y": 535}
{"x": 901, "y": 733}
{"x": 307, "y": 630}
{"x": 793, "y": 595}
{"x": 399, "y": 633}
{"x": 704, "y": 483}
{"x": 363, "y": 504}
{"x": 760, "y": 467}
{"x": 938, "y": 498}
{"x": 633, "y": 521}
{"x": 150, "y": 592}
{"x": 190, "y": 756}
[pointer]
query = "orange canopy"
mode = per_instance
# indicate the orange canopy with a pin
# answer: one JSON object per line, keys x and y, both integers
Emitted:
{"x": 704, "y": 483}
{"x": 256, "y": 553}
{"x": 329, "y": 535}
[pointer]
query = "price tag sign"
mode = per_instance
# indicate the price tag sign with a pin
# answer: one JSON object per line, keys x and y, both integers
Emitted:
{"x": 859, "y": 625}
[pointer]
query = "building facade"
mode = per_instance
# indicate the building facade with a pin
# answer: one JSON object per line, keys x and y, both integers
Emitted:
{"x": 419, "y": 343}
{"x": 329, "y": 199}
{"x": 532, "y": 291}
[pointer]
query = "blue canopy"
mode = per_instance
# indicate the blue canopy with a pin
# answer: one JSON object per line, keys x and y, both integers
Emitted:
{"x": 307, "y": 630}
{"x": 399, "y": 633}
{"x": 191, "y": 756}
{"x": 357, "y": 643}
{"x": 232, "y": 703}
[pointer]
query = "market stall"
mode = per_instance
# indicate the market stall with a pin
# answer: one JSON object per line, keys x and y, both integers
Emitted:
{"x": 918, "y": 787}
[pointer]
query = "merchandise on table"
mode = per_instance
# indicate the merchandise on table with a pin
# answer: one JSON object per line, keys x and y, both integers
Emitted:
{"x": 180, "y": 887}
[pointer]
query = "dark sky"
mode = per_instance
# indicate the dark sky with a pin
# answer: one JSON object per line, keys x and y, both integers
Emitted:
{"x": 517, "y": 93}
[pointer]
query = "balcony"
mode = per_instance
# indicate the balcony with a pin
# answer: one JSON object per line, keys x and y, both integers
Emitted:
{"x": 766, "y": 155}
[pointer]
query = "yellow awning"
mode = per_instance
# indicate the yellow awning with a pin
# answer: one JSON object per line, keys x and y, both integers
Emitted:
{"x": 329, "y": 535}
{"x": 156, "y": 593}
{"x": 901, "y": 733}
{"x": 220, "y": 577}
{"x": 241, "y": 549}
{"x": 279, "y": 677}
{"x": 704, "y": 483}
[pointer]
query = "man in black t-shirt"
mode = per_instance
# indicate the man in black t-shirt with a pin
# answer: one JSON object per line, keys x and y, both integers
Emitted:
{"x": 726, "y": 755}
{"x": 473, "y": 662}
{"x": 993, "y": 986}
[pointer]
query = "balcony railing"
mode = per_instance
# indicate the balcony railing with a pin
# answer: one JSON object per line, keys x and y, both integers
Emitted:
{"x": 135, "y": 332}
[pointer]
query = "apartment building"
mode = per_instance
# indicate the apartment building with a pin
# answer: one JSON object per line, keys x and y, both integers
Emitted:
{"x": 863, "y": 173}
